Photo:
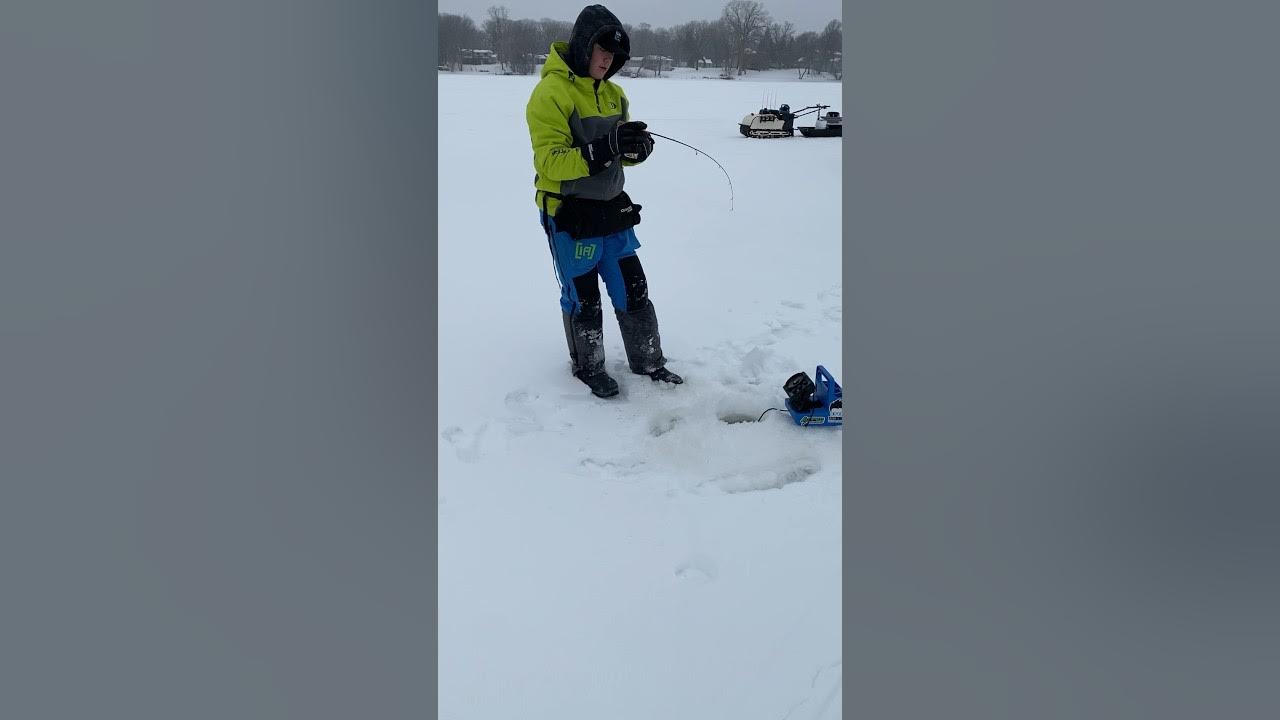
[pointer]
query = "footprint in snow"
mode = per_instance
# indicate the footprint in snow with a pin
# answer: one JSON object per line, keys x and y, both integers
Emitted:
{"x": 761, "y": 364}
{"x": 524, "y": 419}
{"x": 613, "y": 468}
{"x": 664, "y": 422}
{"x": 697, "y": 569}
{"x": 465, "y": 445}
{"x": 769, "y": 477}
{"x": 520, "y": 398}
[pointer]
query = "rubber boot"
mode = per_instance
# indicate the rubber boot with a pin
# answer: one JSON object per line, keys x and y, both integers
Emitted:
{"x": 585, "y": 336}
{"x": 643, "y": 344}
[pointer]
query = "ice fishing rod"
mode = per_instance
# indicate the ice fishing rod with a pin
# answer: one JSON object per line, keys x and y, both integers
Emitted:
{"x": 700, "y": 152}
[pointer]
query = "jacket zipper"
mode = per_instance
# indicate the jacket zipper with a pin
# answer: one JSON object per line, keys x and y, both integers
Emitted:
{"x": 597, "y": 88}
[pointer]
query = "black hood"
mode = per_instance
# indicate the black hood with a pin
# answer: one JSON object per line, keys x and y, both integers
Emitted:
{"x": 595, "y": 24}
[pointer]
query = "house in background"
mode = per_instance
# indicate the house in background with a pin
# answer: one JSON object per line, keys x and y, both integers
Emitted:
{"x": 479, "y": 57}
{"x": 652, "y": 62}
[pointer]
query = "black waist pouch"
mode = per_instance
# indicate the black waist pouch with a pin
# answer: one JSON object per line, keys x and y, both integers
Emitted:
{"x": 594, "y": 218}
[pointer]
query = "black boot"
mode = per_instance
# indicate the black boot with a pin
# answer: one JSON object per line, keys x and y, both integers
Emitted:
{"x": 585, "y": 335}
{"x": 644, "y": 345}
{"x": 665, "y": 375}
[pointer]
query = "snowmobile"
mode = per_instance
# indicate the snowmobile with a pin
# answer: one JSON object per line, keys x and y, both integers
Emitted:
{"x": 780, "y": 123}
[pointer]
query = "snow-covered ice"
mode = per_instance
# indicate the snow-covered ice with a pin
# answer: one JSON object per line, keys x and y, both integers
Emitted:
{"x": 661, "y": 554}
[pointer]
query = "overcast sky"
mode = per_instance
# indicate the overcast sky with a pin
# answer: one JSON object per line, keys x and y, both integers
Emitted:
{"x": 804, "y": 14}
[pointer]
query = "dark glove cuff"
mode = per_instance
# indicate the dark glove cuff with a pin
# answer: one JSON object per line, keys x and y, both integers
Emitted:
{"x": 598, "y": 155}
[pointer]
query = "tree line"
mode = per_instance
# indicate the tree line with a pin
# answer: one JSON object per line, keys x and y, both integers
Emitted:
{"x": 744, "y": 37}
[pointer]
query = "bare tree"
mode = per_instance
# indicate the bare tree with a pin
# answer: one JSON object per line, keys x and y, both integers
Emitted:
{"x": 662, "y": 44}
{"x": 830, "y": 42}
{"x": 775, "y": 44}
{"x": 720, "y": 45}
{"x": 680, "y": 44}
{"x": 523, "y": 40}
{"x": 641, "y": 39}
{"x": 650, "y": 45}
{"x": 744, "y": 21}
{"x": 498, "y": 29}
{"x": 551, "y": 31}
{"x": 456, "y": 32}
{"x": 693, "y": 41}
{"x": 641, "y": 43}
{"x": 804, "y": 48}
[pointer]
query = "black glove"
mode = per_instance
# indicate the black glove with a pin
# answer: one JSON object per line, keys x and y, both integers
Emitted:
{"x": 629, "y": 138}
{"x": 646, "y": 149}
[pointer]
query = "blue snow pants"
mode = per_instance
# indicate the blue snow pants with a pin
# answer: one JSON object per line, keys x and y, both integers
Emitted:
{"x": 575, "y": 259}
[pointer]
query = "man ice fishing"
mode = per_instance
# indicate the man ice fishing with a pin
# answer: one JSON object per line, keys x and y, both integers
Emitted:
{"x": 583, "y": 137}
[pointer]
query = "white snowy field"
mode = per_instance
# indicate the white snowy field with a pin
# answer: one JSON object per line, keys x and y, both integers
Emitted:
{"x": 651, "y": 555}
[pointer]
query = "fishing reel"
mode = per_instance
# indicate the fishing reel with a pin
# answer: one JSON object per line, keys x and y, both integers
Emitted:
{"x": 799, "y": 389}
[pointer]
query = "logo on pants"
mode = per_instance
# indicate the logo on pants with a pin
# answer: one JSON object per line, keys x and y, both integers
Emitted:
{"x": 584, "y": 251}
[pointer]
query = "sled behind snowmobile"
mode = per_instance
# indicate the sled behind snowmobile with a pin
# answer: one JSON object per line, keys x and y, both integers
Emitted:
{"x": 828, "y": 125}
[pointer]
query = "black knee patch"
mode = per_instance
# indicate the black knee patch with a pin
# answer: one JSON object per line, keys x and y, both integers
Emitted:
{"x": 635, "y": 282}
{"x": 588, "y": 287}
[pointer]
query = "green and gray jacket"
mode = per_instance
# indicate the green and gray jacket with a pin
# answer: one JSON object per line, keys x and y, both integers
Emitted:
{"x": 565, "y": 112}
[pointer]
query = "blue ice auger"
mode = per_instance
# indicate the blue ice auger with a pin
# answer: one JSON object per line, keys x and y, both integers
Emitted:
{"x": 811, "y": 405}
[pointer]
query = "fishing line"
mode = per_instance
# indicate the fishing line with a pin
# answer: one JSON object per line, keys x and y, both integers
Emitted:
{"x": 700, "y": 152}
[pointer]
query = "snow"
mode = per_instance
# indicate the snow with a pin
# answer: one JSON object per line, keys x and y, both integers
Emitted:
{"x": 660, "y": 554}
